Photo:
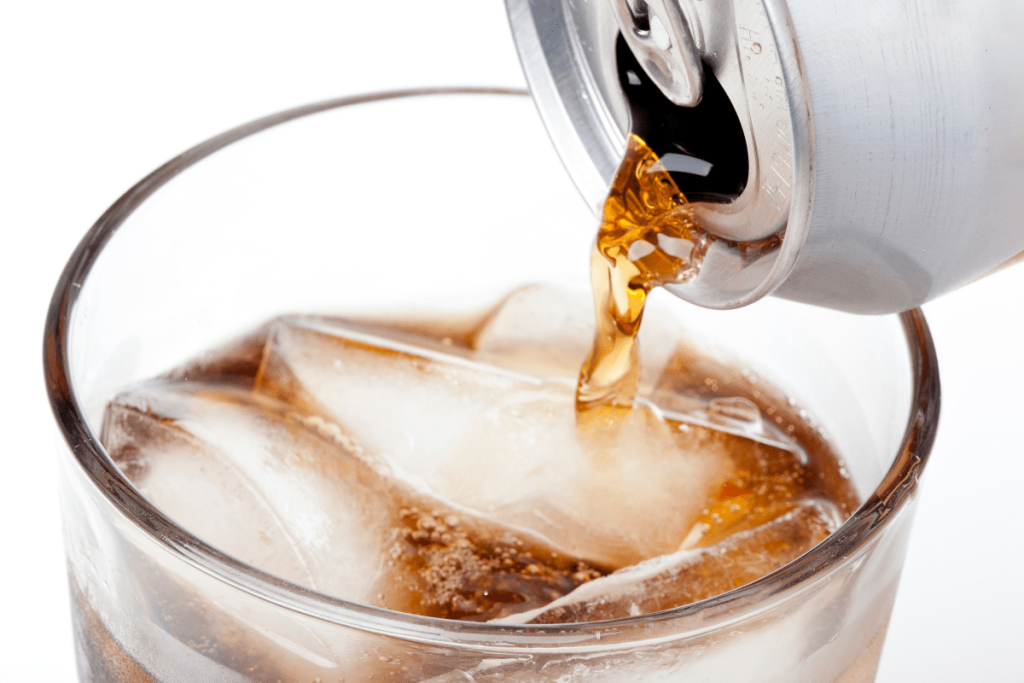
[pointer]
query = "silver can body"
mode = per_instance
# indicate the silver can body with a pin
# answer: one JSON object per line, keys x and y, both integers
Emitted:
{"x": 904, "y": 119}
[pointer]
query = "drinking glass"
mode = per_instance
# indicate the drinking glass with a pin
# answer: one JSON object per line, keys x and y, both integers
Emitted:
{"x": 438, "y": 200}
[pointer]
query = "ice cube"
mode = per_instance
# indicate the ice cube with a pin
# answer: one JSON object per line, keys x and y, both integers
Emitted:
{"x": 735, "y": 410}
{"x": 252, "y": 479}
{"x": 540, "y": 330}
{"x": 407, "y": 403}
{"x": 691, "y": 575}
{"x": 507, "y": 444}
{"x": 296, "y": 496}
{"x": 526, "y": 463}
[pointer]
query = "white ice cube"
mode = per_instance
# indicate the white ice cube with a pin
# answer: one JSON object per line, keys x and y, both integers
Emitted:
{"x": 244, "y": 475}
{"x": 500, "y": 442}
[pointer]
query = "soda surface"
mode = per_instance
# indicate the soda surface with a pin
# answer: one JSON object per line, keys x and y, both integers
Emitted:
{"x": 438, "y": 467}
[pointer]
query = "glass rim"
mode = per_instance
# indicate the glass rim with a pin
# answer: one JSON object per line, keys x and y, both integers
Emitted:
{"x": 866, "y": 523}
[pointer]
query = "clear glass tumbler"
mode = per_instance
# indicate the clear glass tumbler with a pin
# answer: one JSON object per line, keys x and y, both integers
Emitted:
{"x": 440, "y": 199}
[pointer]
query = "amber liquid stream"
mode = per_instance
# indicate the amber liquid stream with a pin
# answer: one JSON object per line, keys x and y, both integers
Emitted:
{"x": 647, "y": 238}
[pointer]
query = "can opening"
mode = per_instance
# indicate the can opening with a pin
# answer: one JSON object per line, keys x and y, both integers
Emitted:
{"x": 702, "y": 147}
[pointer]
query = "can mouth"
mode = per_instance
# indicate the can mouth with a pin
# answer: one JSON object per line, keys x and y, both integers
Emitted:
{"x": 568, "y": 53}
{"x": 895, "y": 491}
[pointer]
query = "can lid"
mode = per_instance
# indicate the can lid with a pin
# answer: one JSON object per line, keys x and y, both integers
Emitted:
{"x": 567, "y": 49}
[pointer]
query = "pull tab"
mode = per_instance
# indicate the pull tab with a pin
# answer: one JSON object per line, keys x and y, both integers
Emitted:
{"x": 659, "y": 35}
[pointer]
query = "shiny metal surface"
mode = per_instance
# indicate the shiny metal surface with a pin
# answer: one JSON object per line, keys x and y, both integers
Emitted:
{"x": 658, "y": 32}
{"x": 567, "y": 50}
{"x": 902, "y": 186}
{"x": 920, "y": 149}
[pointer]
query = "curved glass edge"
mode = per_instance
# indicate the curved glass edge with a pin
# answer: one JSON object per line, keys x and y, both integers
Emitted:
{"x": 867, "y": 522}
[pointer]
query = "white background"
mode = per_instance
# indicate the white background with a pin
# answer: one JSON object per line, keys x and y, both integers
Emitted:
{"x": 95, "y": 95}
